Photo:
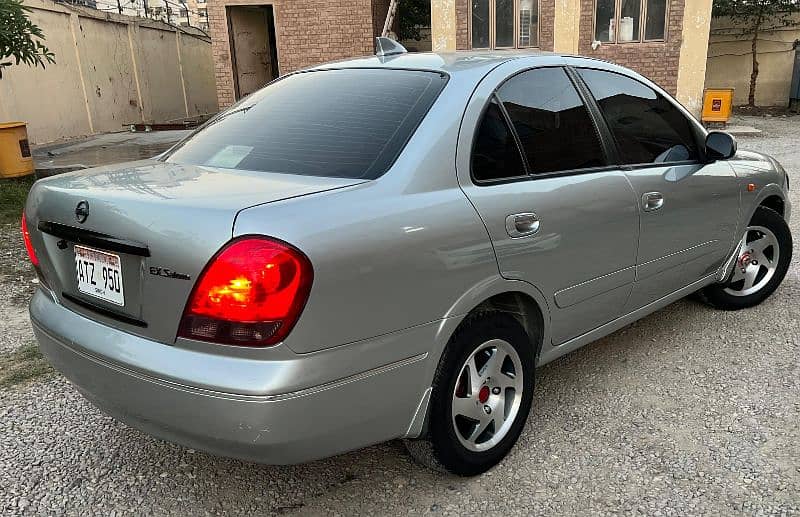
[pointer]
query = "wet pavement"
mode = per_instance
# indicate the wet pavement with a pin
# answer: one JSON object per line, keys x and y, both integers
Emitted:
{"x": 104, "y": 149}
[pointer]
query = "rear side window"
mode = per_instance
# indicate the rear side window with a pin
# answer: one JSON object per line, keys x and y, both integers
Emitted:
{"x": 646, "y": 126}
{"x": 495, "y": 154}
{"x": 349, "y": 123}
{"x": 553, "y": 125}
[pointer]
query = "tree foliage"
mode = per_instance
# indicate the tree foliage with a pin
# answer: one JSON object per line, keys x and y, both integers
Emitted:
{"x": 755, "y": 17}
{"x": 412, "y": 15}
{"x": 758, "y": 11}
{"x": 20, "y": 38}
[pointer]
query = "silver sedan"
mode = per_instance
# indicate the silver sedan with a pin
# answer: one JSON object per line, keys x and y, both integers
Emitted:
{"x": 387, "y": 247}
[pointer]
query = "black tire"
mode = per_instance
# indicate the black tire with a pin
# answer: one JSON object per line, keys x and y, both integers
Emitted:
{"x": 716, "y": 296}
{"x": 441, "y": 449}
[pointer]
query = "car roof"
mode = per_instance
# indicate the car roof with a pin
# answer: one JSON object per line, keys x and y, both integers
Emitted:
{"x": 464, "y": 65}
{"x": 452, "y": 63}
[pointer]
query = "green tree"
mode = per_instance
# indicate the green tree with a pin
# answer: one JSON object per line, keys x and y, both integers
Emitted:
{"x": 755, "y": 17}
{"x": 20, "y": 38}
{"x": 413, "y": 14}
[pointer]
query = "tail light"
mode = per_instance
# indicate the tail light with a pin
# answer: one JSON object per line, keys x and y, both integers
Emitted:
{"x": 251, "y": 293}
{"x": 26, "y": 236}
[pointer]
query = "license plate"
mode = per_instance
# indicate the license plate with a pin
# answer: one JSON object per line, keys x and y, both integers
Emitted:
{"x": 99, "y": 274}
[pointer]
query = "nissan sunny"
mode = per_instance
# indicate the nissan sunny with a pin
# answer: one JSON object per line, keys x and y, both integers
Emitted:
{"x": 387, "y": 247}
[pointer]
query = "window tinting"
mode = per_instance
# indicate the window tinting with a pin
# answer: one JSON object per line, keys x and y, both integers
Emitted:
{"x": 529, "y": 23}
{"x": 340, "y": 123}
{"x": 480, "y": 23}
{"x": 629, "y": 18}
{"x": 604, "y": 22}
{"x": 647, "y": 127}
{"x": 656, "y": 18}
{"x": 504, "y": 23}
{"x": 623, "y": 21}
{"x": 553, "y": 125}
{"x": 495, "y": 154}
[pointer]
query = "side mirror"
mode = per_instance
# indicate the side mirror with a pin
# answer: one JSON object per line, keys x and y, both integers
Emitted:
{"x": 720, "y": 146}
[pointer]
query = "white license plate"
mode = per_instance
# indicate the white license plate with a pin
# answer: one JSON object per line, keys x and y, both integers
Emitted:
{"x": 99, "y": 274}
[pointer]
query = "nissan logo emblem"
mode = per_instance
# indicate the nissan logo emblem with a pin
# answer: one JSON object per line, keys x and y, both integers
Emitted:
{"x": 82, "y": 211}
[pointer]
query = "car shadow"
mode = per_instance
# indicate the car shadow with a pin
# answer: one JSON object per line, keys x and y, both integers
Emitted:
{"x": 563, "y": 388}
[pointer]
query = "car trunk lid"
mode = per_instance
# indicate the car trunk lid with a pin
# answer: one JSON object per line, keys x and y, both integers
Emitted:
{"x": 150, "y": 224}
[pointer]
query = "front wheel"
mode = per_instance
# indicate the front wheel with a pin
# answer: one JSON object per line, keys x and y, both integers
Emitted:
{"x": 764, "y": 254}
{"x": 481, "y": 397}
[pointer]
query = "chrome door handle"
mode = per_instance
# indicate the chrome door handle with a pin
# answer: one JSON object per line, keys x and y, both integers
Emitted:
{"x": 652, "y": 201}
{"x": 522, "y": 225}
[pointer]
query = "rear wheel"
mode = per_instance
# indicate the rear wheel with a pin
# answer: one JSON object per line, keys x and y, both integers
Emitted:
{"x": 481, "y": 396}
{"x": 764, "y": 254}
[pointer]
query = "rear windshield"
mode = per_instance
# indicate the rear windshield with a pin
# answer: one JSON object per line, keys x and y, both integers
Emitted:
{"x": 340, "y": 123}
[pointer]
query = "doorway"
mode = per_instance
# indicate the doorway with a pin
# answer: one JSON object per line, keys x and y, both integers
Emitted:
{"x": 254, "y": 53}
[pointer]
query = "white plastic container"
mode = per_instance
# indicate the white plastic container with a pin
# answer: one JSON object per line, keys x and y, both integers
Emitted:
{"x": 626, "y": 29}
{"x": 611, "y": 32}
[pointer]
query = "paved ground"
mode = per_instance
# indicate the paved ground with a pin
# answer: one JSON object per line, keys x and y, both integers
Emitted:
{"x": 688, "y": 411}
{"x": 105, "y": 148}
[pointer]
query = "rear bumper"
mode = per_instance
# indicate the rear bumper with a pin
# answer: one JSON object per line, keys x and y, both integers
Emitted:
{"x": 292, "y": 427}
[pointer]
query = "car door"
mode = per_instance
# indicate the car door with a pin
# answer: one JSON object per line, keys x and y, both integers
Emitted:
{"x": 559, "y": 216}
{"x": 688, "y": 208}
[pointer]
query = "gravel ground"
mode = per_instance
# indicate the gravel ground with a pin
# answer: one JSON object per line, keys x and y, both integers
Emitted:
{"x": 688, "y": 411}
{"x": 17, "y": 283}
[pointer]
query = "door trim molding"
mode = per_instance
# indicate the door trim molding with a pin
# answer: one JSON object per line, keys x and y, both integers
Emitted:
{"x": 556, "y": 351}
{"x": 596, "y": 286}
{"x": 678, "y": 258}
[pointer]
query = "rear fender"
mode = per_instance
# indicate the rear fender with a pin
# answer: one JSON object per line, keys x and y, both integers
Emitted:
{"x": 460, "y": 309}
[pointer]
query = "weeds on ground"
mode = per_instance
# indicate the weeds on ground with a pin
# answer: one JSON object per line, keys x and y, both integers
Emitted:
{"x": 13, "y": 192}
{"x": 22, "y": 365}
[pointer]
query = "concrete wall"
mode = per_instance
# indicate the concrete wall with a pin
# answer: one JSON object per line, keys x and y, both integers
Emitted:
{"x": 566, "y": 26}
{"x": 443, "y": 25}
{"x": 730, "y": 62}
{"x": 692, "y": 63}
{"x": 110, "y": 70}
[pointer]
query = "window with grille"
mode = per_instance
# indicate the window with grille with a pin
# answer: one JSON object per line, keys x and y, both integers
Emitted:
{"x": 630, "y": 21}
{"x": 497, "y": 24}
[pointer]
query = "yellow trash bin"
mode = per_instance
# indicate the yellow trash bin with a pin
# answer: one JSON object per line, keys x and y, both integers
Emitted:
{"x": 15, "y": 152}
{"x": 717, "y": 104}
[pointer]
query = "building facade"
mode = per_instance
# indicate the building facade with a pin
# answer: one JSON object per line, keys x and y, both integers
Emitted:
{"x": 666, "y": 40}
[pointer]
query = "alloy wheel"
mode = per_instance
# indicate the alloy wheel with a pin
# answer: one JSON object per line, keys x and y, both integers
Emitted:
{"x": 487, "y": 395}
{"x": 757, "y": 262}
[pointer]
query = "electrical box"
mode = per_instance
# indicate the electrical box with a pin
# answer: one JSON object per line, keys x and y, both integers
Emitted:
{"x": 717, "y": 104}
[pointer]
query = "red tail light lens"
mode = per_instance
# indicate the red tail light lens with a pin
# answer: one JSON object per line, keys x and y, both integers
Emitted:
{"x": 26, "y": 236}
{"x": 251, "y": 293}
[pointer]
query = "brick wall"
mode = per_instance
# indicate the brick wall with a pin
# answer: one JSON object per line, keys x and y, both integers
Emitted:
{"x": 658, "y": 61}
{"x": 307, "y": 33}
{"x": 380, "y": 8}
{"x": 547, "y": 14}
{"x": 547, "y": 9}
{"x": 462, "y": 25}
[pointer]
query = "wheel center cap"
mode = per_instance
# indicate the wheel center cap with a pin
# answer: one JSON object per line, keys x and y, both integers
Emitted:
{"x": 483, "y": 394}
{"x": 745, "y": 259}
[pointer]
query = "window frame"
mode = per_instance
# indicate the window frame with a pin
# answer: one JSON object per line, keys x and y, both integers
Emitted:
{"x": 698, "y": 137}
{"x": 493, "y": 27}
{"x": 642, "y": 23}
{"x": 607, "y": 140}
{"x": 603, "y": 134}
